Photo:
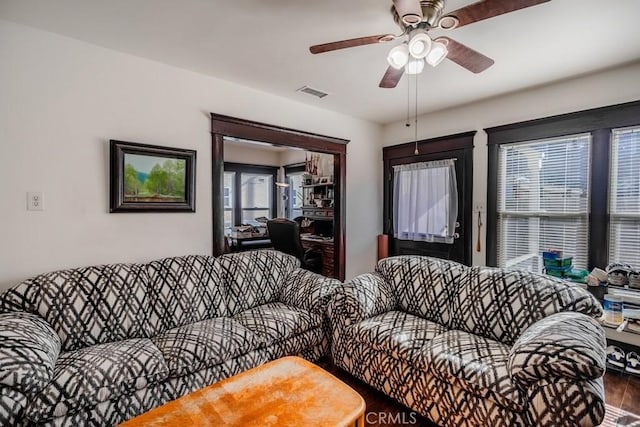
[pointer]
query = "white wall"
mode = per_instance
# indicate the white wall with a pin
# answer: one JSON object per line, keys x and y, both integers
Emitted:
{"x": 606, "y": 88}
{"x": 61, "y": 100}
{"x": 252, "y": 156}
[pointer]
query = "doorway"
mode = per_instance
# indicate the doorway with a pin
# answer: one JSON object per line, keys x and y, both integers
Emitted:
{"x": 230, "y": 127}
{"x": 457, "y": 147}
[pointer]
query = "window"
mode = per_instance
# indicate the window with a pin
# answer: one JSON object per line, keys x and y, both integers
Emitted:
{"x": 543, "y": 201}
{"x": 425, "y": 206}
{"x": 583, "y": 197}
{"x": 624, "y": 197}
{"x": 294, "y": 208}
{"x": 248, "y": 193}
{"x": 229, "y": 180}
{"x": 294, "y": 200}
{"x": 257, "y": 196}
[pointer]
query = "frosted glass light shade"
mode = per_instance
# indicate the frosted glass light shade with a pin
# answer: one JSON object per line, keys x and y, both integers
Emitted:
{"x": 438, "y": 52}
{"x": 414, "y": 66}
{"x": 419, "y": 44}
{"x": 398, "y": 56}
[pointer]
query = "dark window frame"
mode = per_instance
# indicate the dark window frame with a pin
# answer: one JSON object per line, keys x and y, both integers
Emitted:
{"x": 599, "y": 122}
{"x": 239, "y": 169}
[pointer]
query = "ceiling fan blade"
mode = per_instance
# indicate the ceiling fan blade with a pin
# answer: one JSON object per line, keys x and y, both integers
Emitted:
{"x": 409, "y": 11}
{"x": 489, "y": 8}
{"x": 391, "y": 77}
{"x": 465, "y": 56}
{"x": 343, "y": 44}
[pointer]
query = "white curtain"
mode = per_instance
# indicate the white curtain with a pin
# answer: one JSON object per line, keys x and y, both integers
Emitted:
{"x": 425, "y": 205}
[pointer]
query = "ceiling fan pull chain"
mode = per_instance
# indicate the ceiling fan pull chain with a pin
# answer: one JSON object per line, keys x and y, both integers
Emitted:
{"x": 408, "y": 123}
{"x": 415, "y": 127}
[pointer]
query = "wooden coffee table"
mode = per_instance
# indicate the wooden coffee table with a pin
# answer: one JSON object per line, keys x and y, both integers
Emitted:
{"x": 286, "y": 392}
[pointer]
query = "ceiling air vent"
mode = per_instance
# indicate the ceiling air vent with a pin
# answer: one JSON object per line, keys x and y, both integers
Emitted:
{"x": 311, "y": 91}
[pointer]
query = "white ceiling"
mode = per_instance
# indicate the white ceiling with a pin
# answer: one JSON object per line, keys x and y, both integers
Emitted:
{"x": 264, "y": 44}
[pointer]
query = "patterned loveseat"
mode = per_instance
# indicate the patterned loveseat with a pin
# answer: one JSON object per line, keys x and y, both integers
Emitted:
{"x": 473, "y": 346}
{"x": 101, "y": 344}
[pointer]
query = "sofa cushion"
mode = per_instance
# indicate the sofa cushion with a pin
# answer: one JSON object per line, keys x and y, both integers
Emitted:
{"x": 202, "y": 344}
{"x": 97, "y": 374}
{"x": 401, "y": 335}
{"x": 501, "y": 304}
{"x": 87, "y": 306}
{"x": 277, "y": 321}
{"x": 29, "y": 349}
{"x": 476, "y": 364}
{"x": 423, "y": 286}
{"x": 254, "y": 278}
{"x": 184, "y": 290}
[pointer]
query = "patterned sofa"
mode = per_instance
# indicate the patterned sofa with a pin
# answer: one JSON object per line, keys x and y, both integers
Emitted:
{"x": 101, "y": 344}
{"x": 473, "y": 346}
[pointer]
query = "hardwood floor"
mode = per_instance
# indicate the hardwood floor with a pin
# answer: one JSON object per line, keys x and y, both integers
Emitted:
{"x": 622, "y": 391}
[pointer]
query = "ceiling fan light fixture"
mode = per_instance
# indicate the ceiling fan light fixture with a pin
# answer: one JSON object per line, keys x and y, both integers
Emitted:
{"x": 398, "y": 57}
{"x": 437, "y": 53}
{"x": 419, "y": 43}
{"x": 448, "y": 22}
{"x": 414, "y": 66}
{"x": 411, "y": 19}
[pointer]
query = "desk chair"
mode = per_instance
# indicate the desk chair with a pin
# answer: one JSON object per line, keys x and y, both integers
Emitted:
{"x": 285, "y": 237}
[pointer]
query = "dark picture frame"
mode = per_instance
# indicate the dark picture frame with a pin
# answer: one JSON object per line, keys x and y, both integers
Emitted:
{"x": 151, "y": 178}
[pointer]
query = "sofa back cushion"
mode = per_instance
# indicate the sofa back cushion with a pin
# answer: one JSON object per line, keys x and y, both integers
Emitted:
{"x": 423, "y": 286}
{"x": 254, "y": 278}
{"x": 184, "y": 290}
{"x": 500, "y": 304}
{"x": 89, "y": 305}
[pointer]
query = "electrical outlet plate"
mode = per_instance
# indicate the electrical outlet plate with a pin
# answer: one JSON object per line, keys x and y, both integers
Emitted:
{"x": 35, "y": 201}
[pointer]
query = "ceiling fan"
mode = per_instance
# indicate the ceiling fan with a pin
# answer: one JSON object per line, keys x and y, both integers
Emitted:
{"x": 416, "y": 18}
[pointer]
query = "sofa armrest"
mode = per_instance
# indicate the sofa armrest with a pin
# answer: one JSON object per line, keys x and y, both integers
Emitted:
{"x": 566, "y": 403}
{"x": 12, "y": 406}
{"x": 29, "y": 348}
{"x": 565, "y": 345}
{"x": 308, "y": 290}
{"x": 360, "y": 298}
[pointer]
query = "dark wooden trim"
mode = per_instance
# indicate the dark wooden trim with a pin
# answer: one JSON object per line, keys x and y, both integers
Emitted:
{"x": 340, "y": 214}
{"x": 599, "y": 209}
{"x": 241, "y": 168}
{"x": 491, "y": 241}
{"x": 586, "y": 121}
{"x": 217, "y": 194}
{"x": 294, "y": 167}
{"x": 262, "y": 132}
{"x": 222, "y": 126}
{"x": 459, "y": 146}
{"x": 248, "y": 167}
{"x": 459, "y": 141}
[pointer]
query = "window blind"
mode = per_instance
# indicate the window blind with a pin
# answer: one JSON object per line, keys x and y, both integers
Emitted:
{"x": 543, "y": 201}
{"x": 624, "y": 197}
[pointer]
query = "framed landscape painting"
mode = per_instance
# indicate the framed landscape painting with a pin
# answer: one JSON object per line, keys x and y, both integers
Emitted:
{"x": 150, "y": 178}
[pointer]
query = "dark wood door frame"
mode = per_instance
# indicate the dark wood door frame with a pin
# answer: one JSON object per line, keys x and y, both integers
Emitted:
{"x": 459, "y": 146}
{"x": 222, "y": 126}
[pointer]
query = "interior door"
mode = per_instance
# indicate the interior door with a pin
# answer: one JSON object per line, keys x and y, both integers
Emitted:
{"x": 461, "y": 248}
